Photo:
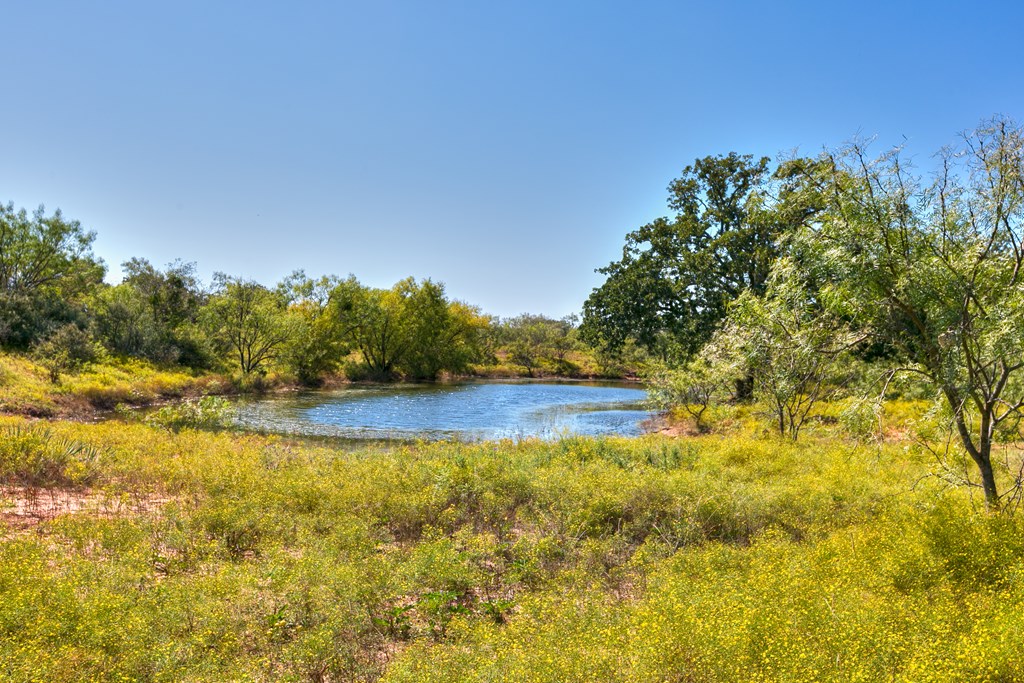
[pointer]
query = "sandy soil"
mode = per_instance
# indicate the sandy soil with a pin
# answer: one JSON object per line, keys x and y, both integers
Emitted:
{"x": 23, "y": 508}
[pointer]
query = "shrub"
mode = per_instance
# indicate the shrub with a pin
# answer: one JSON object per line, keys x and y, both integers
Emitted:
{"x": 66, "y": 350}
{"x": 208, "y": 412}
{"x": 34, "y": 457}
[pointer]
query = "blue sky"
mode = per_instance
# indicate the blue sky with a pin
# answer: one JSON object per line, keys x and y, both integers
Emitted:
{"x": 502, "y": 148}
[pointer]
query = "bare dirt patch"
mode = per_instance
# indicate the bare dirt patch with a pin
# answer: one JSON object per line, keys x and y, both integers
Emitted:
{"x": 666, "y": 426}
{"x": 24, "y": 508}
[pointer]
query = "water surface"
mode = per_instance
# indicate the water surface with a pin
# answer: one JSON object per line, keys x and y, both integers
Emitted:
{"x": 467, "y": 411}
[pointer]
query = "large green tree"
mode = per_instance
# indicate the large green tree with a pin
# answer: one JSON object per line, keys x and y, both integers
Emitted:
{"x": 45, "y": 253}
{"x": 173, "y": 295}
{"x": 124, "y": 322}
{"x": 410, "y": 329}
{"x": 153, "y": 313}
{"x": 317, "y": 344}
{"x": 248, "y": 320}
{"x": 46, "y": 268}
{"x": 933, "y": 270}
{"x": 446, "y": 336}
{"x": 676, "y": 276}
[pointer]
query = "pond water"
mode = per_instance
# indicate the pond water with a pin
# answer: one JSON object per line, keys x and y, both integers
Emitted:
{"x": 468, "y": 411}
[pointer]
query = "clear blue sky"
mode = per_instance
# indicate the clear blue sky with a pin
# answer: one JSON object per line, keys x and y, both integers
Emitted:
{"x": 504, "y": 148}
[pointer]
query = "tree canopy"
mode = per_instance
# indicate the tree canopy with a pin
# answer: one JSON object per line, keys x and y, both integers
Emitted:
{"x": 676, "y": 276}
{"x": 46, "y": 265}
{"x": 411, "y": 328}
{"x": 40, "y": 253}
{"x": 932, "y": 269}
{"x": 153, "y": 314}
{"x": 248, "y": 320}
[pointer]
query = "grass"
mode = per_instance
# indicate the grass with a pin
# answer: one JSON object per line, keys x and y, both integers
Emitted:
{"x": 728, "y": 557}
{"x": 25, "y": 387}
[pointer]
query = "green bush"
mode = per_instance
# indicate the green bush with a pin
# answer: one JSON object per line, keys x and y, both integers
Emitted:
{"x": 68, "y": 349}
{"x": 35, "y": 457}
{"x": 208, "y": 412}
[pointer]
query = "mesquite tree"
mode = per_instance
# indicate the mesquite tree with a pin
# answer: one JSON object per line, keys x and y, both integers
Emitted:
{"x": 249, "y": 320}
{"x": 795, "y": 349}
{"x": 933, "y": 270}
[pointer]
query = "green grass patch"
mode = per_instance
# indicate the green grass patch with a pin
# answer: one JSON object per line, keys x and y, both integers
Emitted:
{"x": 728, "y": 557}
{"x": 25, "y": 386}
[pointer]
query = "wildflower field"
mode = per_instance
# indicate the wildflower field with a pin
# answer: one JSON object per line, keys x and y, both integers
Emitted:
{"x": 26, "y": 389}
{"x": 134, "y": 553}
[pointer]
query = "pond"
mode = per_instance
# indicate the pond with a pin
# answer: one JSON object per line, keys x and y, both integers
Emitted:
{"x": 469, "y": 411}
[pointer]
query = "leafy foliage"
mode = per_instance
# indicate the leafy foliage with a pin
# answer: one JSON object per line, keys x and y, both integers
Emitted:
{"x": 302, "y": 329}
{"x": 677, "y": 275}
{"x": 934, "y": 270}
{"x": 125, "y": 324}
{"x": 164, "y": 309}
{"x": 248, "y": 320}
{"x": 66, "y": 350}
{"x": 41, "y": 253}
{"x": 536, "y": 341}
{"x": 46, "y": 265}
{"x": 410, "y": 328}
{"x": 706, "y": 379}
{"x": 795, "y": 352}
{"x": 316, "y": 345}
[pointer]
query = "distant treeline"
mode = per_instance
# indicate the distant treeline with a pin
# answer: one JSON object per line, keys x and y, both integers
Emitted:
{"x": 55, "y": 304}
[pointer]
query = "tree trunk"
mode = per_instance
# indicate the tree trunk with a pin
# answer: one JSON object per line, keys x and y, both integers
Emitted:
{"x": 745, "y": 388}
{"x": 981, "y": 454}
{"x": 984, "y": 461}
{"x": 988, "y": 481}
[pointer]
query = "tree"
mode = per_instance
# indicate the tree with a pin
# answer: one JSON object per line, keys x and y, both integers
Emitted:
{"x": 676, "y": 276}
{"x": 794, "y": 351}
{"x": 697, "y": 385}
{"x": 68, "y": 349}
{"x": 125, "y": 323}
{"x": 154, "y": 314}
{"x": 792, "y": 348}
{"x": 46, "y": 267}
{"x": 410, "y": 329}
{"x": 316, "y": 345}
{"x": 374, "y": 322}
{"x": 566, "y": 337}
{"x": 174, "y": 295}
{"x": 933, "y": 269}
{"x": 445, "y": 336}
{"x": 528, "y": 340}
{"x": 249, "y": 320}
{"x": 533, "y": 341}
{"x": 41, "y": 253}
